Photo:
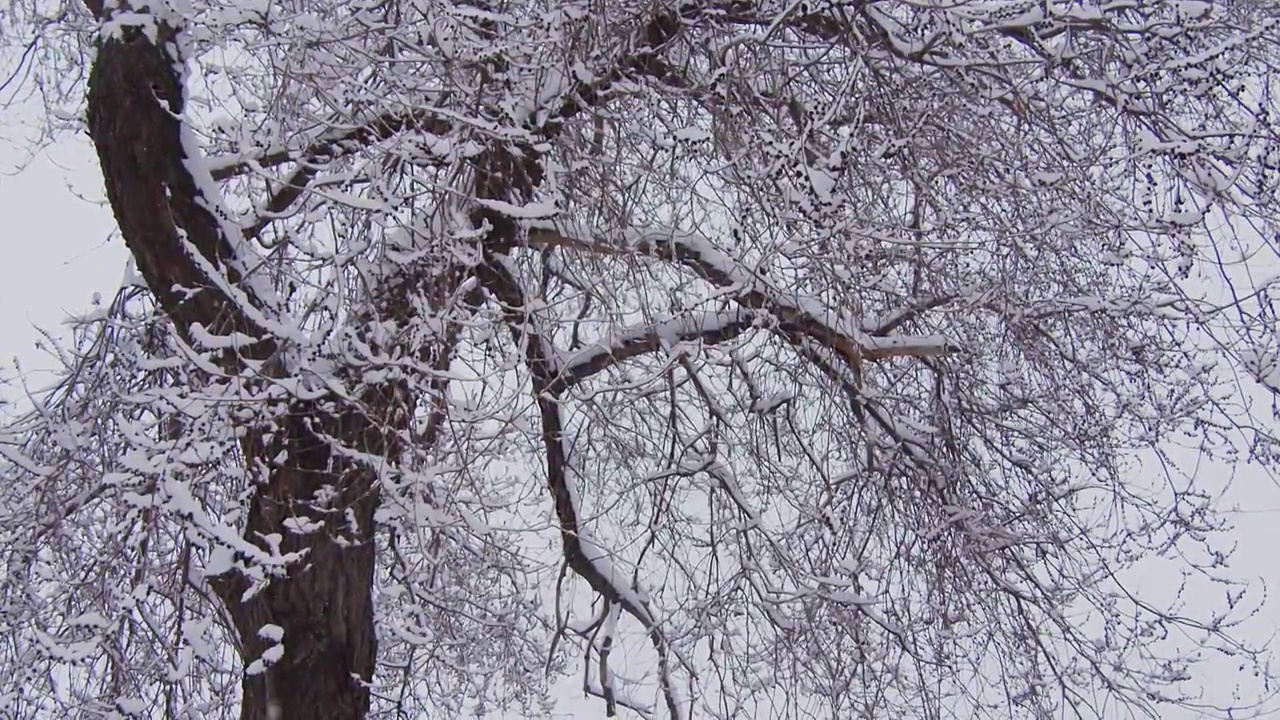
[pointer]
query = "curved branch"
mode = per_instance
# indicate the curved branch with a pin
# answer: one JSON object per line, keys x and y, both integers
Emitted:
{"x": 640, "y": 59}
{"x": 586, "y": 558}
{"x": 335, "y": 143}
{"x": 709, "y": 327}
{"x": 332, "y": 145}
{"x": 168, "y": 214}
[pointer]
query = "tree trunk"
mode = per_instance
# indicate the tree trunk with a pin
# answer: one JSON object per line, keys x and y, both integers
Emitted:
{"x": 324, "y": 605}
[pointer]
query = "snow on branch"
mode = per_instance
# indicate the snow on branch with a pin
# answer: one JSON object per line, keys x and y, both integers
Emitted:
{"x": 337, "y": 141}
{"x": 750, "y": 291}
{"x": 709, "y": 327}
{"x": 340, "y": 139}
{"x": 169, "y": 211}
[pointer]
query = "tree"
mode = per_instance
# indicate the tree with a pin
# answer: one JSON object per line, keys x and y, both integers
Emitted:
{"x": 802, "y": 350}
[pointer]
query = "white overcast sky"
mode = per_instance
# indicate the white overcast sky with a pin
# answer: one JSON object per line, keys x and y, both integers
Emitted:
{"x": 57, "y": 250}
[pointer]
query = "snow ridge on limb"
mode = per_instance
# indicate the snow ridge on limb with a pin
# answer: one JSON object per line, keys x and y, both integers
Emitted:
{"x": 171, "y": 224}
{"x": 750, "y": 290}
{"x": 316, "y": 462}
{"x": 333, "y": 144}
{"x": 880, "y": 186}
{"x": 625, "y": 343}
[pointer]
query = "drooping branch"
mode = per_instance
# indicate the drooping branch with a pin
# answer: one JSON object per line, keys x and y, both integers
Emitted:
{"x": 582, "y": 554}
{"x": 837, "y": 346}
{"x": 640, "y": 58}
{"x": 337, "y": 142}
{"x": 622, "y": 345}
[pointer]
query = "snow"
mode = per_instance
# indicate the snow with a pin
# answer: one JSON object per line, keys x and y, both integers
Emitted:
{"x": 302, "y": 525}
{"x": 691, "y": 134}
{"x": 93, "y": 620}
{"x": 531, "y": 211}
{"x": 669, "y": 331}
{"x": 602, "y": 561}
{"x": 272, "y": 655}
{"x": 121, "y": 21}
{"x": 746, "y": 285}
{"x": 769, "y": 403}
{"x": 244, "y": 259}
{"x": 208, "y": 340}
{"x": 135, "y": 707}
{"x": 1188, "y": 10}
{"x": 192, "y": 490}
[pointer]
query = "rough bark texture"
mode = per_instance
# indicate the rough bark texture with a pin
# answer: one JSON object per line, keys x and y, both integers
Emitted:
{"x": 325, "y": 604}
{"x": 134, "y": 96}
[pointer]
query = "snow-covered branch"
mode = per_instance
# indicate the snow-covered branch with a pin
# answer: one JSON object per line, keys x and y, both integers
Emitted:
{"x": 752, "y": 292}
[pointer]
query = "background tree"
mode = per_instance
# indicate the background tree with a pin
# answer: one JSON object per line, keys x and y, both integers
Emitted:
{"x": 801, "y": 350}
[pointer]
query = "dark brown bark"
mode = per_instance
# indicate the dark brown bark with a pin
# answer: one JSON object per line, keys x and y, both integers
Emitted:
{"x": 135, "y": 95}
{"x": 324, "y": 605}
